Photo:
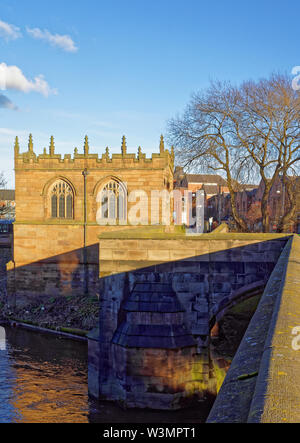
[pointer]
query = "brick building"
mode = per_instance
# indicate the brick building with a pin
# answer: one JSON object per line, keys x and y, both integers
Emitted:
{"x": 59, "y": 215}
{"x": 278, "y": 202}
{"x": 248, "y": 205}
{"x": 188, "y": 185}
{"x": 219, "y": 205}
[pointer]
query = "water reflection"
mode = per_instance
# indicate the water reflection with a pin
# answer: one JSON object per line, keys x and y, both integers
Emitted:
{"x": 44, "y": 379}
{"x": 7, "y": 380}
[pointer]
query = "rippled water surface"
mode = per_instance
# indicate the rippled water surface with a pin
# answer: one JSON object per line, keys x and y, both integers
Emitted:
{"x": 43, "y": 378}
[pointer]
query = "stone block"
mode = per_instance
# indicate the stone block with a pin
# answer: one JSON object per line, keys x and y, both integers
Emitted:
{"x": 200, "y": 329}
{"x": 159, "y": 255}
{"x": 186, "y": 266}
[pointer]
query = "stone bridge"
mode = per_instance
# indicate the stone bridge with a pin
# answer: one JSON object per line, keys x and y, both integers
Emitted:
{"x": 261, "y": 385}
{"x": 161, "y": 292}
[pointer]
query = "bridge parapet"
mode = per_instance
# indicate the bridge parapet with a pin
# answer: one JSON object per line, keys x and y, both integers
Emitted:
{"x": 261, "y": 384}
{"x": 207, "y": 272}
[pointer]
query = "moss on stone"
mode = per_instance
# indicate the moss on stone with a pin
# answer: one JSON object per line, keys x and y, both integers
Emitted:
{"x": 246, "y": 376}
{"x": 180, "y": 233}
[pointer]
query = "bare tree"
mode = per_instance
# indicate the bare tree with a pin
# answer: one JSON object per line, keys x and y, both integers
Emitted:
{"x": 267, "y": 124}
{"x": 290, "y": 191}
{"x": 248, "y": 132}
{"x": 204, "y": 140}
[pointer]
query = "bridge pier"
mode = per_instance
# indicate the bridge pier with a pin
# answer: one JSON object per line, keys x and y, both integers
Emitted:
{"x": 127, "y": 363}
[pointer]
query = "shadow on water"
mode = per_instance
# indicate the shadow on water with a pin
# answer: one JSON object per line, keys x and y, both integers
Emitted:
{"x": 43, "y": 378}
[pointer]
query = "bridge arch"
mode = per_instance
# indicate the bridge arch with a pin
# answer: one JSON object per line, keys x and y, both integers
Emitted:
{"x": 244, "y": 293}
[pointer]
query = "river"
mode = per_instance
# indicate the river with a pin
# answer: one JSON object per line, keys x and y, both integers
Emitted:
{"x": 43, "y": 379}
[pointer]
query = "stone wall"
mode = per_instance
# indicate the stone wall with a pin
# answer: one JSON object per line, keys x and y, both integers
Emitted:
{"x": 206, "y": 272}
{"x": 34, "y": 175}
{"x": 277, "y": 393}
{"x": 260, "y": 386}
{"x": 48, "y": 259}
{"x": 48, "y": 254}
{"x": 5, "y": 257}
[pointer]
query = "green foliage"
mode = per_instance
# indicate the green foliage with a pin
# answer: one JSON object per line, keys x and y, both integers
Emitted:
{"x": 246, "y": 306}
{"x": 246, "y": 376}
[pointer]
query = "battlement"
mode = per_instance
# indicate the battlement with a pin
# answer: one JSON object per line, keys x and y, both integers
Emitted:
{"x": 50, "y": 160}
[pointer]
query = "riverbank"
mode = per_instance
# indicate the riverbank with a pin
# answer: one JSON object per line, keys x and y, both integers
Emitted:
{"x": 69, "y": 314}
{"x": 74, "y": 334}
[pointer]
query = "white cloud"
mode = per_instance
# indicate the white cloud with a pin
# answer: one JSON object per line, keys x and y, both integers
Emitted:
{"x": 11, "y": 77}
{"x": 61, "y": 41}
{"x": 9, "y": 32}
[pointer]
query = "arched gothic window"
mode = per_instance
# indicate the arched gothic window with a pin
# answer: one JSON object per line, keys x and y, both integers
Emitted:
{"x": 112, "y": 200}
{"x": 62, "y": 200}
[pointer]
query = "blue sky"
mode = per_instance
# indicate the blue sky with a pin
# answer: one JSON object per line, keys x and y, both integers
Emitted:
{"x": 125, "y": 67}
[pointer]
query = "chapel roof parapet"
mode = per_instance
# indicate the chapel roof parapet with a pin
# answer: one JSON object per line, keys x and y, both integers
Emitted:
{"x": 51, "y": 159}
